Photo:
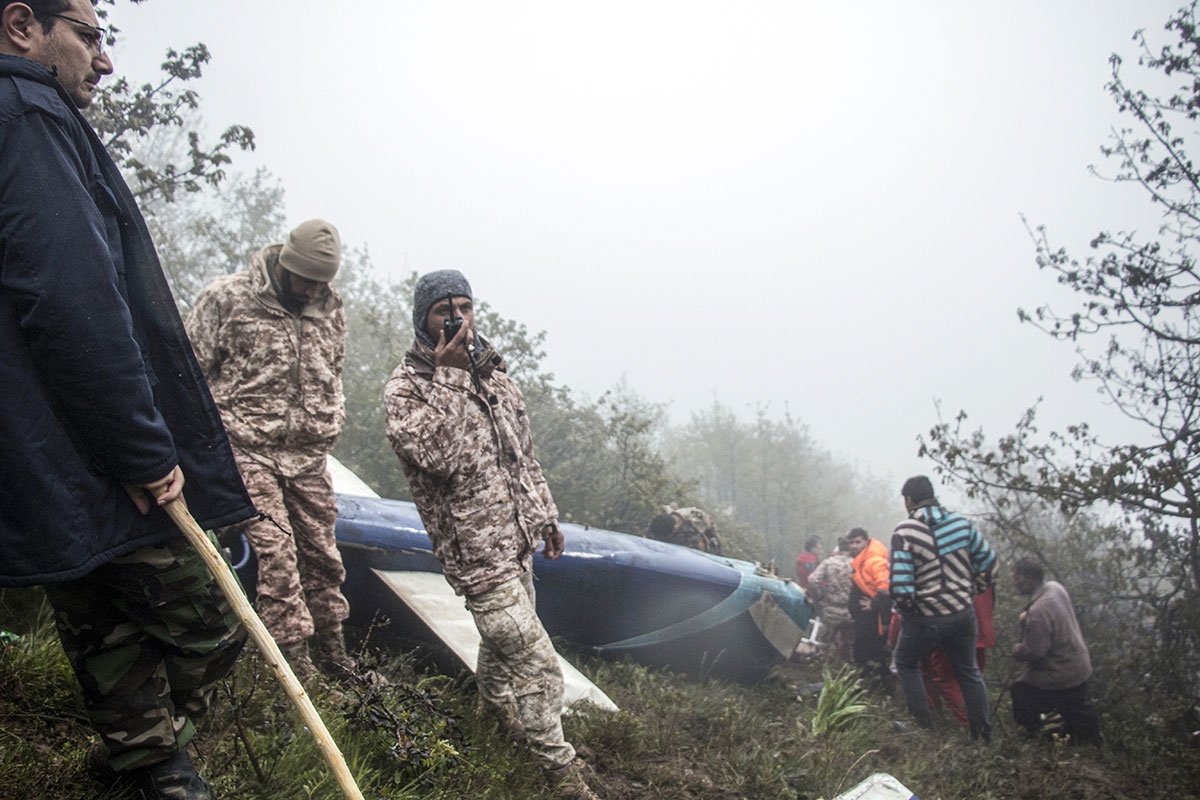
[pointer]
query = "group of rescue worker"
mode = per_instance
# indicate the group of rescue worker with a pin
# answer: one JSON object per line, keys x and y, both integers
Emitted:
{"x": 928, "y": 599}
{"x": 114, "y": 408}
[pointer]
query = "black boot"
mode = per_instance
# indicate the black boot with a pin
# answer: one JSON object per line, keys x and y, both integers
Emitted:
{"x": 173, "y": 779}
{"x": 333, "y": 658}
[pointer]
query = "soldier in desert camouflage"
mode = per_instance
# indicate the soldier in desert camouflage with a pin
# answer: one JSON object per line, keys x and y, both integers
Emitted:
{"x": 458, "y": 424}
{"x": 271, "y": 341}
{"x": 829, "y": 585}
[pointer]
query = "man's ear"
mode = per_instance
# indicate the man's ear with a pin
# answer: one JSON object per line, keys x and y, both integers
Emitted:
{"x": 17, "y": 23}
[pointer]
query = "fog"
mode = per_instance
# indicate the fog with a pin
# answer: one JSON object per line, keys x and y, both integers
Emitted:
{"x": 808, "y": 207}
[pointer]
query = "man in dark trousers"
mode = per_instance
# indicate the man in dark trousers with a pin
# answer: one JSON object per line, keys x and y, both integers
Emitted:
{"x": 1056, "y": 659}
{"x": 103, "y": 412}
{"x": 939, "y": 563}
{"x": 870, "y": 606}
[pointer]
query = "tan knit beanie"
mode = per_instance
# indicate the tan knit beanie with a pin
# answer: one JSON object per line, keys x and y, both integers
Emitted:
{"x": 313, "y": 250}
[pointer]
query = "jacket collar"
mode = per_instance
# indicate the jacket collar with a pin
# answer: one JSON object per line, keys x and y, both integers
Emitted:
{"x": 20, "y": 67}
{"x": 1035, "y": 595}
{"x": 927, "y": 511}
{"x": 874, "y": 549}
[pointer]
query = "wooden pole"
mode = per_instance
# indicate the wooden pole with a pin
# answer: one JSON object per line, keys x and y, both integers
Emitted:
{"x": 266, "y": 644}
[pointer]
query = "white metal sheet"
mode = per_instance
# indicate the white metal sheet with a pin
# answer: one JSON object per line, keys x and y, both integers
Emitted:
{"x": 432, "y": 599}
{"x": 880, "y": 786}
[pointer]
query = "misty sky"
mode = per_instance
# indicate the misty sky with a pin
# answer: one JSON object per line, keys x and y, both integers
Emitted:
{"x": 811, "y": 206}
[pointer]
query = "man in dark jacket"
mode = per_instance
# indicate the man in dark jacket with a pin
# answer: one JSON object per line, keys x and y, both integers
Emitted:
{"x": 104, "y": 410}
{"x": 1056, "y": 659}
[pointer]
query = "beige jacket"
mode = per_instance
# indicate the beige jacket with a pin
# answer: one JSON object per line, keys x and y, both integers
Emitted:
{"x": 276, "y": 376}
{"x": 468, "y": 456}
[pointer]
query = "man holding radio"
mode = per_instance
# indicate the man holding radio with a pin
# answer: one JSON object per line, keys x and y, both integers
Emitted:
{"x": 458, "y": 424}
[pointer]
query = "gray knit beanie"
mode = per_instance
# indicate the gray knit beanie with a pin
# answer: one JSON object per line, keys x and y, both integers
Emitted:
{"x": 313, "y": 250}
{"x": 432, "y": 287}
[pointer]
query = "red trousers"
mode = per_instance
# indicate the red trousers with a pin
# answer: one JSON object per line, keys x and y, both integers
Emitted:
{"x": 938, "y": 677}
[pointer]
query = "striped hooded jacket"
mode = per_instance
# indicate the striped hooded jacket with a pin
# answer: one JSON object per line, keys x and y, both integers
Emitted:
{"x": 939, "y": 562}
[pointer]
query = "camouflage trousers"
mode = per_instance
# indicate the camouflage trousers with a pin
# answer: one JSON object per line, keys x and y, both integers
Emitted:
{"x": 148, "y": 635}
{"x": 518, "y": 666}
{"x": 300, "y": 570}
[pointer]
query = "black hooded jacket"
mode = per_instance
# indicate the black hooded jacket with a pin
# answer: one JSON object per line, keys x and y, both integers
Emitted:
{"x": 98, "y": 384}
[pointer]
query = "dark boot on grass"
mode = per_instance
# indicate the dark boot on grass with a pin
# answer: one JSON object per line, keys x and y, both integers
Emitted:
{"x": 97, "y": 763}
{"x": 567, "y": 782}
{"x": 296, "y": 654}
{"x": 331, "y": 655}
{"x": 173, "y": 779}
{"x": 334, "y": 659}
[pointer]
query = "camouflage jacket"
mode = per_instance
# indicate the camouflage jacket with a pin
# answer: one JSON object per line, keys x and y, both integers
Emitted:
{"x": 829, "y": 585}
{"x": 695, "y": 529}
{"x": 276, "y": 376}
{"x": 468, "y": 456}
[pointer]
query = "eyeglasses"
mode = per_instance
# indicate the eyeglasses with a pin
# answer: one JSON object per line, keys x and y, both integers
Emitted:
{"x": 95, "y": 36}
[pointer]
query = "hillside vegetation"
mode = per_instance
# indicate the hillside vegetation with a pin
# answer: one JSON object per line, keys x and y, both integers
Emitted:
{"x": 674, "y": 737}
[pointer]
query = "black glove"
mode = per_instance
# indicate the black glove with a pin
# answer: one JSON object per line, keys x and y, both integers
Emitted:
{"x": 881, "y": 603}
{"x": 906, "y": 603}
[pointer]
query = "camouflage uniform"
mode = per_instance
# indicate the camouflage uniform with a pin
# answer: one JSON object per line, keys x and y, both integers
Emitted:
{"x": 468, "y": 456}
{"x": 518, "y": 668}
{"x": 829, "y": 584}
{"x": 145, "y": 682}
{"x": 695, "y": 529}
{"x": 299, "y": 576}
{"x": 277, "y": 380}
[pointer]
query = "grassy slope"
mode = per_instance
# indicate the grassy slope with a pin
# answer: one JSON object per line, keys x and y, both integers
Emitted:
{"x": 674, "y": 738}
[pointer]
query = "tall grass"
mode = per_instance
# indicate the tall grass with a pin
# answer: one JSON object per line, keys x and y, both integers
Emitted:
{"x": 674, "y": 738}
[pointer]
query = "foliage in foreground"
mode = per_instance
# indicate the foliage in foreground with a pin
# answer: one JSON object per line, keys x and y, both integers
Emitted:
{"x": 675, "y": 737}
{"x": 1135, "y": 322}
{"x": 841, "y": 702}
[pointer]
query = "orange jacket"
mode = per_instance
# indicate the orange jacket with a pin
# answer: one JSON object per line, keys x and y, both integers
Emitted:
{"x": 870, "y": 568}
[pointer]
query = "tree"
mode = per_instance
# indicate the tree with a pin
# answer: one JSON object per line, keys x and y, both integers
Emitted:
{"x": 603, "y": 460}
{"x": 204, "y": 222}
{"x": 206, "y": 234}
{"x": 1140, "y": 297}
{"x": 771, "y": 477}
{"x": 378, "y": 333}
{"x": 124, "y": 116}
